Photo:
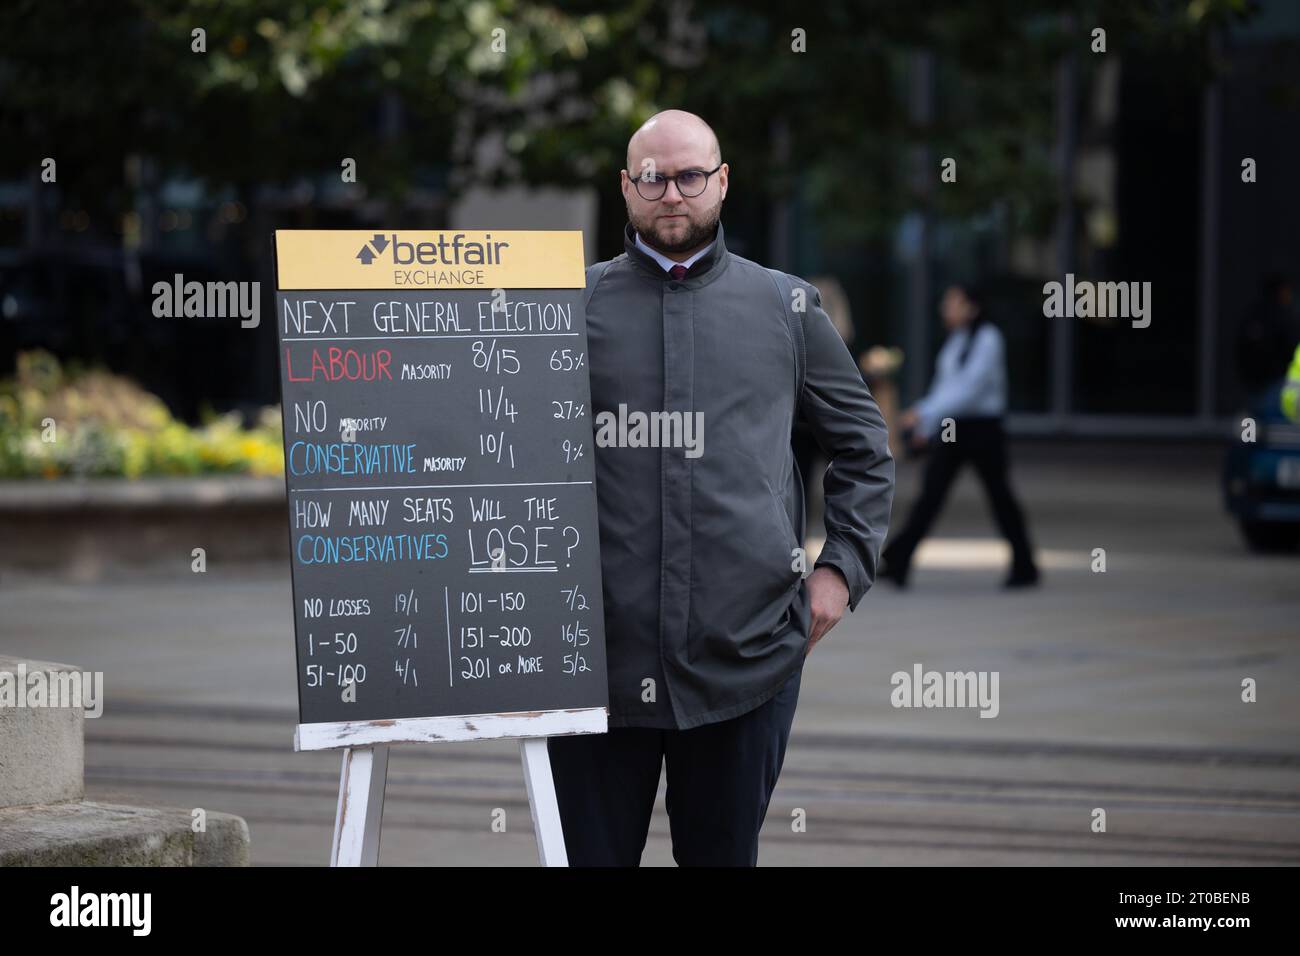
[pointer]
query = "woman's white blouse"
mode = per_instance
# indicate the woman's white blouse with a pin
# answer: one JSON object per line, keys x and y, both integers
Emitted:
{"x": 976, "y": 387}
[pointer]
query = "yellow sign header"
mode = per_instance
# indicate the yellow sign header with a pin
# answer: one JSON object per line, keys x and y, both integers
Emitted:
{"x": 424, "y": 259}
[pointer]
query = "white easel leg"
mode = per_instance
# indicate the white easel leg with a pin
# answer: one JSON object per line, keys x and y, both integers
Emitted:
{"x": 542, "y": 802}
{"x": 361, "y": 806}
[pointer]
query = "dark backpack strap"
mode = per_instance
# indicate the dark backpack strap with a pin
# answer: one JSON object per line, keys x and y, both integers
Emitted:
{"x": 598, "y": 270}
{"x": 795, "y": 322}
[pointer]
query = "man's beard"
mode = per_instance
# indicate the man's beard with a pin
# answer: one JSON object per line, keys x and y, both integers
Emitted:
{"x": 696, "y": 234}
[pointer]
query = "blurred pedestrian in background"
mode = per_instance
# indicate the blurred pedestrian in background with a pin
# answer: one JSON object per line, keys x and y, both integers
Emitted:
{"x": 970, "y": 388}
{"x": 1291, "y": 389}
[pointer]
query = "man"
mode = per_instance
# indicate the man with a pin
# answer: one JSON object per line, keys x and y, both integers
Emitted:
{"x": 707, "y": 615}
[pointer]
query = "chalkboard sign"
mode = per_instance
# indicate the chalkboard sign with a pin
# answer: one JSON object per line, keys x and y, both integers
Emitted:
{"x": 441, "y": 487}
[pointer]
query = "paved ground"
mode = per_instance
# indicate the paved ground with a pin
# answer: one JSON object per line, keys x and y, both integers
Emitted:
{"x": 1118, "y": 690}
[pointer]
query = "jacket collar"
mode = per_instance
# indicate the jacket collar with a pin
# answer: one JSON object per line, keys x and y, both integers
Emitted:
{"x": 706, "y": 268}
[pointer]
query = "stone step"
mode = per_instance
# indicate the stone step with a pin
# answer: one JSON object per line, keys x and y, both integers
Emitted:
{"x": 105, "y": 834}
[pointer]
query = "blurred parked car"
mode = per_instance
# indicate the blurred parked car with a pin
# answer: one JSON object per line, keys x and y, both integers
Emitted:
{"x": 1261, "y": 479}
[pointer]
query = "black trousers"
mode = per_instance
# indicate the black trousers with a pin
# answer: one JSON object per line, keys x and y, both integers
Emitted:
{"x": 982, "y": 442}
{"x": 720, "y": 779}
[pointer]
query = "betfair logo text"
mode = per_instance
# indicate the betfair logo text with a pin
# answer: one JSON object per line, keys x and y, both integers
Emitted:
{"x": 447, "y": 251}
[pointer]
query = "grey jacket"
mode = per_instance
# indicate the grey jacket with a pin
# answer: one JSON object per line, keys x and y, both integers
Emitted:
{"x": 706, "y": 615}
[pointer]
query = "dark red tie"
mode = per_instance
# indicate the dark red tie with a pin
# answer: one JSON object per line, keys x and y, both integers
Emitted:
{"x": 677, "y": 271}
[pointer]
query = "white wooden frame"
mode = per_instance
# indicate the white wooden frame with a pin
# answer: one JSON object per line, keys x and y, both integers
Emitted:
{"x": 361, "y": 806}
{"x": 359, "y": 817}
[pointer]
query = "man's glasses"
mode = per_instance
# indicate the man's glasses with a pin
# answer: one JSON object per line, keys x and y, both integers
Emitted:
{"x": 690, "y": 183}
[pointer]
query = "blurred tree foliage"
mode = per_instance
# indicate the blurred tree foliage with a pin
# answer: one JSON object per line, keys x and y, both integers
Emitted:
{"x": 422, "y": 91}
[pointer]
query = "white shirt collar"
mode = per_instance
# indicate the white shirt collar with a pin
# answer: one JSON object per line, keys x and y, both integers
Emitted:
{"x": 663, "y": 260}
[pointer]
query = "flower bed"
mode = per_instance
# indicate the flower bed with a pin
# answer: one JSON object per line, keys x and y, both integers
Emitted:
{"x": 57, "y": 422}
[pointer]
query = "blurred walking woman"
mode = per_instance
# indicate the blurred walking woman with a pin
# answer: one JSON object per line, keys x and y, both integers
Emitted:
{"x": 970, "y": 387}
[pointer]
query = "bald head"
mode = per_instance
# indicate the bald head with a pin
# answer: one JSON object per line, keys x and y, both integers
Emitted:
{"x": 673, "y": 140}
{"x": 677, "y": 220}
